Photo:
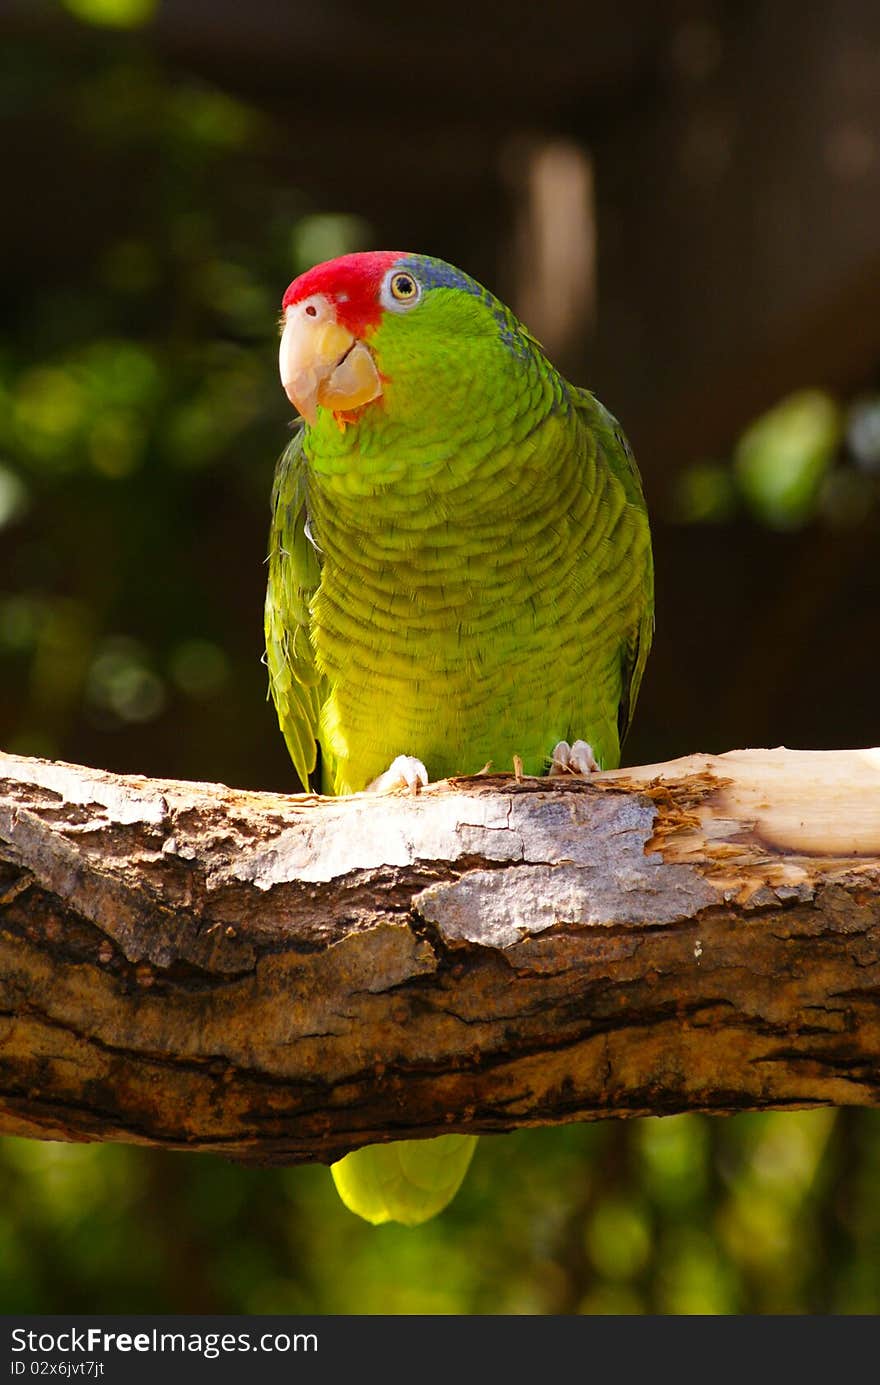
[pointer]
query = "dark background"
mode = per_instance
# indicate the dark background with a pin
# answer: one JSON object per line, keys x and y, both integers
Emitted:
{"x": 683, "y": 202}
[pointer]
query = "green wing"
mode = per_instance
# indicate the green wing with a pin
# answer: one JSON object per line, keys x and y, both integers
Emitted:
{"x": 294, "y": 574}
{"x": 639, "y": 630}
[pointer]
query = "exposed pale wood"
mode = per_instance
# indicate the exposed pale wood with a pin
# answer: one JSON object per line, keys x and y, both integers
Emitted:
{"x": 284, "y": 978}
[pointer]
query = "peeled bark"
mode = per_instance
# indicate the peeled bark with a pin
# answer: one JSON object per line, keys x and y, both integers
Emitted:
{"x": 284, "y": 978}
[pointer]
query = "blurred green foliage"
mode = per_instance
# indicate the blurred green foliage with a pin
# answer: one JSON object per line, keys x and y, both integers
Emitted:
{"x": 115, "y": 14}
{"x": 140, "y": 417}
{"x": 783, "y": 458}
{"x": 808, "y": 459}
{"x": 686, "y": 1214}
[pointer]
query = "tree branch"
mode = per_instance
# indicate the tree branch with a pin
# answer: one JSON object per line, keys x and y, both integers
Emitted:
{"x": 281, "y": 979}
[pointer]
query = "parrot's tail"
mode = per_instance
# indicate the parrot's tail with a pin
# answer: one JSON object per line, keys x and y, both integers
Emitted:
{"x": 409, "y": 1181}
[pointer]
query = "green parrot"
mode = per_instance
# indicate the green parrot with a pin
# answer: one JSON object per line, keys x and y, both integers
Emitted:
{"x": 460, "y": 572}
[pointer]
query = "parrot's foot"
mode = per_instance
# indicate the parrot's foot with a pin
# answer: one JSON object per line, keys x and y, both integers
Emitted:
{"x": 573, "y": 759}
{"x": 406, "y": 772}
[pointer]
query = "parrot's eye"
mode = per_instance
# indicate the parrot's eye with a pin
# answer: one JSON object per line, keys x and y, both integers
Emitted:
{"x": 403, "y": 287}
{"x": 402, "y": 290}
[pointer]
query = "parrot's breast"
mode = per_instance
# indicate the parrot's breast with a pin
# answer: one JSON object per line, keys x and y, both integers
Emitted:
{"x": 465, "y": 630}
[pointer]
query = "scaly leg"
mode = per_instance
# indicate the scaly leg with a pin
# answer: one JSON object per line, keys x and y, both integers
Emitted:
{"x": 406, "y": 772}
{"x": 573, "y": 759}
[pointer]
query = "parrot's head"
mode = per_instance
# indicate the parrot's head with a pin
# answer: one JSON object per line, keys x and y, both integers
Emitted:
{"x": 391, "y": 331}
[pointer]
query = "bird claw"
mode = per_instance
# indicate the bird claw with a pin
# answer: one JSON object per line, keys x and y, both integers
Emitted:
{"x": 573, "y": 759}
{"x": 406, "y": 772}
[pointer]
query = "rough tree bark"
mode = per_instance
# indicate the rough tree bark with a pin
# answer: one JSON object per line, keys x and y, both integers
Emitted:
{"x": 281, "y": 979}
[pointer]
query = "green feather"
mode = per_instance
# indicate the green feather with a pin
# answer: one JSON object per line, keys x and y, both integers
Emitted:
{"x": 294, "y": 573}
{"x": 462, "y": 574}
{"x": 408, "y": 1181}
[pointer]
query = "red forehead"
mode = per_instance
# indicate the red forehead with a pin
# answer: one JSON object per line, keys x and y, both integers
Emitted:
{"x": 352, "y": 281}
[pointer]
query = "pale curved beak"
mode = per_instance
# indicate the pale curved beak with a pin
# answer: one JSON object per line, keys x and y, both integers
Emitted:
{"x": 322, "y": 363}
